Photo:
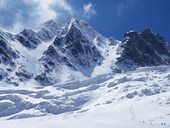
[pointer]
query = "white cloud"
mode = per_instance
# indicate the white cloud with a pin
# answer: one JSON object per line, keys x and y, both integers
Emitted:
{"x": 31, "y": 13}
{"x": 124, "y": 6}
{"x": 2, "y": 3}
{"x": 89, "y": 10}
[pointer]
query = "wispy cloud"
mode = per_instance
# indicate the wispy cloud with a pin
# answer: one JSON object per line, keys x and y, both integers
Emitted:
{"x": 15, "y": 15}
{"x": 89, "y": 10}
{"x": 2, "y": 3}
{"x": 124, "y": 5}
{"x": 19, "y": 14}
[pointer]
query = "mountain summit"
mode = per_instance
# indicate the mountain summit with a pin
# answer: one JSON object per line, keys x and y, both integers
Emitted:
{"x": 143, "y": 49}
{"x": 69, "y": 74}
{"x": 56, "y": 53}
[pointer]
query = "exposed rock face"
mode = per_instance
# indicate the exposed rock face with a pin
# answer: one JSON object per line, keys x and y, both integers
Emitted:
{"x": 73, "y": 50}
{"x": 54, "y": 53}
{"x": 28, "y": 38}
{"x": 77, "y": 49}
{"x": 32, "y": 38}
{"x": 49, "y": 30}
{"x": 3, "y": 74}
{"x": 7, "y": 55}
{"x": 23, "y": 75}
{"x": 143, "y": 49}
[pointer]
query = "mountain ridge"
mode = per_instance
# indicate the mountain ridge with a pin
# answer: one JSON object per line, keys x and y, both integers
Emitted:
{"x": 75, "y": 51}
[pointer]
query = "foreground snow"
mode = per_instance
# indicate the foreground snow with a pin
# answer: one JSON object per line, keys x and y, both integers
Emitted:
{"x": 139, "y": 99}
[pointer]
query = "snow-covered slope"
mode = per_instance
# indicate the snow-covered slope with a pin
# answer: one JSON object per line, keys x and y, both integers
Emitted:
{"x": 73, "y": 51}
{"x": 59, "y": 53}
{"x": 69, "y": 75}
{"x": 134, "y": 99}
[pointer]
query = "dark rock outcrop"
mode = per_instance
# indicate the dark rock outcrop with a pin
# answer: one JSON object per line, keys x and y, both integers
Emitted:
{"x": 7, "y": 54}
{"x": 28, "y": 38}
{"x": 143, "y": 49}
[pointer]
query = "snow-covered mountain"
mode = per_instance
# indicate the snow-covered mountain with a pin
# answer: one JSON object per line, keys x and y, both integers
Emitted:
{"x": 72, "y": 70}
{"x": 68, "y": 52}
{"x": 57, "y": 53}
{"x": 143, "y": 49}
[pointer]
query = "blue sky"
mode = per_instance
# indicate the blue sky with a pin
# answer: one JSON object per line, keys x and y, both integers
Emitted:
{"x": 115, "y": 17}
{"x": 110, "y": 17}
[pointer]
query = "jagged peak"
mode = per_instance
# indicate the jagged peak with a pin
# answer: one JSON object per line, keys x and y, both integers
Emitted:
{"x": 131, "y": 33}
{"x": 85, "y": 29}
{"x": 73, "y": 22}
{"x": 27, "y": 31}
{"x": 159, "y": 37}
{"x": 150, "y": 35}
{"x": 76, "y": 21}
{"x": 147, "y": 31}
{"x": 49, "y": 23}
{"x": 49, "y": 30}
{"x": 6, "y": 34}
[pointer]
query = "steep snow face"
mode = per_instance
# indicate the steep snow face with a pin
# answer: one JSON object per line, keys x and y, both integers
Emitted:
{"x": 110, "y": 54}
{"x": 56, "y": 53}
{"x": 79, "y": 50}
{"x": 76, "y": 47}
{"x": 6, "y": 35}
{"x": 142, "y": 49}
{"x": 20, "y": 53}
{"x": 32, "y": 38}
{"x": 7, "y": 56}
{"x": 84, "y": 28}
{"x": 29, "y": 46}
{"x": 49, "y": 30}
{"x": 73, "y": 51}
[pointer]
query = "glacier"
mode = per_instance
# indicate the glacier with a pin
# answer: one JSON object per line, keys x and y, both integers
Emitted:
{"x": 69, "y": 75}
